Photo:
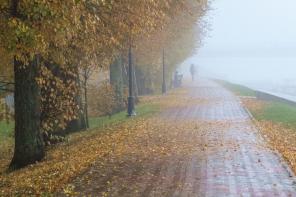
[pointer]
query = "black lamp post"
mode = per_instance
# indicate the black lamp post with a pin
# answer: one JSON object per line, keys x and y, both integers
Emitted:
{"x": 131, "y": 98}
{"x": 163, "y": 74}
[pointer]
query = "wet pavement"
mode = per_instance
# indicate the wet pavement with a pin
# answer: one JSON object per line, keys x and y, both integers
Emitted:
{"x": 231, "y": 158}
{"x": 242, "y": 165}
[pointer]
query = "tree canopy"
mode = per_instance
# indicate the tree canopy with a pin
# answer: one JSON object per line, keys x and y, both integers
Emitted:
{"x": 50, "y": 41}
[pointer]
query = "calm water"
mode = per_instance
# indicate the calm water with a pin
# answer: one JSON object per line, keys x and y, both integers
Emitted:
{"x": 271, "y": 73}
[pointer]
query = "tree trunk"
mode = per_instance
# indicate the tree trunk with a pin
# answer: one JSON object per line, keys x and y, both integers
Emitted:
{"x": 29, "y": 146}
{"x": 86, "y": 99}
{"x": 136, "y": 91}
{"x": 116, "y": 80}
{"x": 79, "y": 123}
{"x": 116, "y": 75}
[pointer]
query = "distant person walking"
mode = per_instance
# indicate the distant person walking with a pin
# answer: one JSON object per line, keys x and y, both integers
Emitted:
{"x": 192, "y": 71}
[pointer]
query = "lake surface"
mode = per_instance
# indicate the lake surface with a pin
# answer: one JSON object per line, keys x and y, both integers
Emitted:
{"x": 277, "y": 74}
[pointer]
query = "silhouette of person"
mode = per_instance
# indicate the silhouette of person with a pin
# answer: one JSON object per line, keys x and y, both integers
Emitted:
{"x": 192, "y": 71}
{"x": 176, "y": 78}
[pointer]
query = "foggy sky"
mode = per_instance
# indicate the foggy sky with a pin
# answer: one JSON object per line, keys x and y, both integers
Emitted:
{"x": 250, "y": 41}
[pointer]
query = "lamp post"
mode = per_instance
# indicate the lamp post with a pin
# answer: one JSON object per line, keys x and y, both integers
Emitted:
{"x": 131, "y": 98}
{"x": 163, "y": 74}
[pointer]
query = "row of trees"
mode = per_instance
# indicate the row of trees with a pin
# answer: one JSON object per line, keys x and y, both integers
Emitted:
{"x": 46, "y": 45}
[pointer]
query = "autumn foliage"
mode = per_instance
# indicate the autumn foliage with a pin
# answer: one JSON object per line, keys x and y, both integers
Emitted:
{"x": 51, "y": 41}
{"x": 104, "y": 100}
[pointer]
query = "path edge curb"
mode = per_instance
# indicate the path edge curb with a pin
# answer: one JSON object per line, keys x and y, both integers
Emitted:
{"x": 278, "y": 154}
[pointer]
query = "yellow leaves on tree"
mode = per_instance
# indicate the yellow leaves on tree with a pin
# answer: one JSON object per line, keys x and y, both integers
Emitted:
{"x": 179, "y": 36}
{"x": 88, "y": 33}
{"x": 104, "y": 99}
{"x": 59, "y": 91}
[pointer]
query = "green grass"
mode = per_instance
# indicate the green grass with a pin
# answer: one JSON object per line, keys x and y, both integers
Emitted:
{"x": 142, "y": 110}
{"x": 6, "y": 129}
{"x": 6, "y": 137}
{"x": 239, "y": 90}
{"x": 278, "y": 112}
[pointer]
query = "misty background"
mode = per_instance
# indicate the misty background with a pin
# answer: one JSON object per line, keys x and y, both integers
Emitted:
{"x": 250, "y": 42}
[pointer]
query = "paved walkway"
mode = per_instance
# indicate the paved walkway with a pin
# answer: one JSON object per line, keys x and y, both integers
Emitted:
{"x": 235, "y": 162}
{"x": 243, "y": 165}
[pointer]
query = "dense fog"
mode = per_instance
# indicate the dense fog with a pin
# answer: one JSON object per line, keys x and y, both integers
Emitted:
{"x": 250, "y": 42}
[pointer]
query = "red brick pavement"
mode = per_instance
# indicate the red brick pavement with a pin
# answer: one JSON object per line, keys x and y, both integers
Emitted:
{"x": 236, "y": 162}
{"x": 243, "y": 165}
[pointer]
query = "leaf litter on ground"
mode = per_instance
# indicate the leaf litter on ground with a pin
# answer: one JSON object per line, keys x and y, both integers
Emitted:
{"x": 140, "y": 139}
{"x": 280, "y": 137}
